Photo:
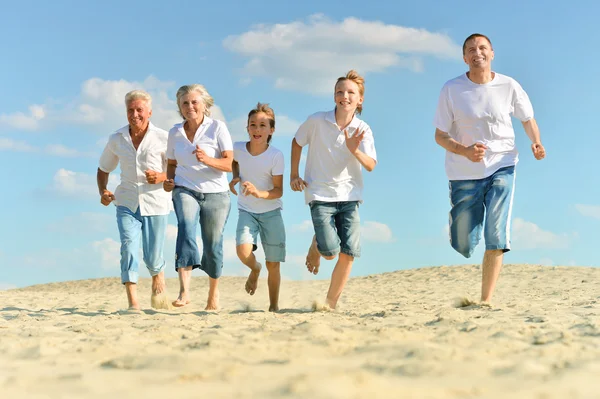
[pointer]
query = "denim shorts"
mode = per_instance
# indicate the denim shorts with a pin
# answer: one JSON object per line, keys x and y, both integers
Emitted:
{"x": 271, "y": 229}
{"x": 482, "y": 204}
{"x": 337, "y": 227}
{"x": 209, "y": 211}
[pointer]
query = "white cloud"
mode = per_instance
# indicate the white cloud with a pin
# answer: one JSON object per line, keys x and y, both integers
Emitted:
{"x": 58, "y": 150}
{"x": 109, "y": 252}
{"x": 14, "y": 145}
{"x": 377, "y": 232}
{"x": 20, "y": 120}
{"x": 528, "y": 235}
{"x": 67, "y": 183}
{"x": 305, "y": 226}
{"x": 101, "y": 103}
{"x": 171, "y": 232}
{"x": 591, "y": 211}
{"x": 309, "y": 56}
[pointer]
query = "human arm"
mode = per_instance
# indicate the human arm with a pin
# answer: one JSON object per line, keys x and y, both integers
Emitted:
{"x": 235, "y": 171}
{"x": 473, "y": 152}
{"x": 353, "y": 143}
{"x": 533, "y": 131}
{"x": 274, "y": 193}
{"x": 169, "y": 183}
{"x": 222, "y": 164}
{"x": 296, "y": 182}
{"x": 106, "y": 196}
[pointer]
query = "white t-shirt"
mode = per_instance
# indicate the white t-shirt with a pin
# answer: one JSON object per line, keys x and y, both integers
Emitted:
{"x": 473, "y": 113}
{"x": 134, "y": 190}
{"x": 213, "y": 137}
{"x": 333, "y": 173}
{"x": 258, "y": 170}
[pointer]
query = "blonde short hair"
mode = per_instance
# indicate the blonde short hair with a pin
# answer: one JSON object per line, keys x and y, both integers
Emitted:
{"x": 206, "y": 98}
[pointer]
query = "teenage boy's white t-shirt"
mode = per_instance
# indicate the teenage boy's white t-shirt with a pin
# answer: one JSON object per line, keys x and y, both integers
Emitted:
{"x": 481, "y": 113}
{"x": 333, "y": 173}
{"x": 258, "y": 170}
{"x": 213, "y": 137}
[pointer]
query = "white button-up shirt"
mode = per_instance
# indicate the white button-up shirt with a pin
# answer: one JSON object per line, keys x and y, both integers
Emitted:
{"x": 134, "y": 189}
{"x": 213, "y": 137}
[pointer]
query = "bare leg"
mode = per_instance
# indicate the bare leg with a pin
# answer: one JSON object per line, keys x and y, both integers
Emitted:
{"x": 213, "y": 294}
{"x": 274, "y": 281}
{"x": 339, "y": 277}
{"x": 490, "y": 270}
{"x": 131, "y": 289}
{"x": 313, "y": 258}
{"x": 185, "y": 276}
{"x": 244, "y": 252}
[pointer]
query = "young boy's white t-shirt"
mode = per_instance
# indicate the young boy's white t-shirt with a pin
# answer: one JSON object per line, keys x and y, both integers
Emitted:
{"x": 332, "y": 173}
{"x": 481, "y": 113}
{"x": 258, "y": 170}
{"x": 213, "y": 137}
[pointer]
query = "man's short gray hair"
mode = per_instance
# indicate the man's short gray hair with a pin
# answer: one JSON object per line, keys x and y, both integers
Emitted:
{"x": 138, "y": 95}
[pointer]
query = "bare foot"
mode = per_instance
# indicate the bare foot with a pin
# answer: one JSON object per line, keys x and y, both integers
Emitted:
{"x": 274, "y": 308}
{"x": 181, "y": 301}
{"x": 213, "y": 303}
{"x": 313, "y": 258}
{"x": 158, "y": 299}
{"x": 252, "y": 282}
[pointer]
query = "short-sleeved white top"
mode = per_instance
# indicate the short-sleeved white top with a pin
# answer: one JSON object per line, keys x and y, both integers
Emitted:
{"x": 333, "y": 173}
{"x": 213, "y": 137}
{"x": 134, "y": 190}
{"x": 258, "y": 170}
{"x": 473, "y": 113}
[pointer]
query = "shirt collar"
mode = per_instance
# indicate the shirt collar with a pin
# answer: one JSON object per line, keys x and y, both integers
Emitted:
{"x": 207, "y": 120}
{"x": 125, "y": 129}
{"x": 330, "y": 117}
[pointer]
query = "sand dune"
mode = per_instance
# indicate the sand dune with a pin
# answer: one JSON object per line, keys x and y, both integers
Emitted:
{"x": 395, "y": 335}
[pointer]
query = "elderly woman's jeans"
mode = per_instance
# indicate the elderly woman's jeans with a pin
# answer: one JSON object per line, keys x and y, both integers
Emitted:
{"x": 150, "y": 230}
{"x": 210, "y": 211}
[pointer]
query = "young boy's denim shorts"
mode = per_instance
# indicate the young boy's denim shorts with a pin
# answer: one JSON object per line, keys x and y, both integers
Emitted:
{"x": 337, "y": 227}
{"x": 271, "y": 229}
{"x": 482, "y": 204}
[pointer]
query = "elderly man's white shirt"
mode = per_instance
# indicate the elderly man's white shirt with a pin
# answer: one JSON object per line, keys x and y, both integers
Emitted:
{"x": 134, "y": 190}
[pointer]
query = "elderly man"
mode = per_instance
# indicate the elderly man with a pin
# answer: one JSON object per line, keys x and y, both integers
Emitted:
{"x": 473, "y": 123}
{"x": 142, "y": 204}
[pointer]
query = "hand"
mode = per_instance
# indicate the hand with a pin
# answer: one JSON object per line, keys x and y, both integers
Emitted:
{"x": 538, "y": 151}
{"x": 353, "y": 142}
{"x": 232, "y": 184}
{"x": 168, "y": 185}
{"x": 106, "y": 198}
{"x": 249, "y": 189}
{"x": 297, "y": 184}
{"x": 200, "y": 154}
{"x": 475, "y": 152}
{"x": 152, "y": 177}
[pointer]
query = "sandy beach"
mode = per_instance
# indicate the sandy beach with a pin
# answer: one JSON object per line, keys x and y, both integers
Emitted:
{"x": 396, "y": 335}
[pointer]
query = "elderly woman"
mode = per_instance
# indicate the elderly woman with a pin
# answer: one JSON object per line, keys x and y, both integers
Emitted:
{"x": 199, "y": 153}
{"x": 142, "y": 204}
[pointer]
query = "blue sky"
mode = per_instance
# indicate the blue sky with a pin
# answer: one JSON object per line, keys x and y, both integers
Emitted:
{"x": 66, "y": 66}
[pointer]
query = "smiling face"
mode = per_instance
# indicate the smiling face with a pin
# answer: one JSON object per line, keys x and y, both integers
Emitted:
{"x": 478, "y": 53}
{"x": 347, "y": 96}
{"x": 259, "y": 128}
{"x": 192, "y": 106}
{"x": 138, "y": 114}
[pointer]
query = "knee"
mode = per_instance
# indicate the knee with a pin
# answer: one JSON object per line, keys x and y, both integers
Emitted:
{"x": 329, "y": 257}
{"x": 243, "y": 253}
{"x": 273, "y": 266}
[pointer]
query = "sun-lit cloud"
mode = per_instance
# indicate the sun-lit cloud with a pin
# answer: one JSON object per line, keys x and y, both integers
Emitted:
{"x": 376, "y": 232}
{"x": 528, "y": 235}
{"x": 109, "y": 253}
{"x": 67, "y": 183}
{"x": 309, "y": 55}
{"x": 590, "y": 211}
{"x": 24, "y": 121}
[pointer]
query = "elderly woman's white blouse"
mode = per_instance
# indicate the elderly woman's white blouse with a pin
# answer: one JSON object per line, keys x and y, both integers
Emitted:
{"x": 134, "y": 190}
{"x": 213, "y": 137}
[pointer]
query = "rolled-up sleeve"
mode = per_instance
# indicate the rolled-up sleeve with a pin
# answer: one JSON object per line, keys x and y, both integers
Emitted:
{"x": 109, "y": 159}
